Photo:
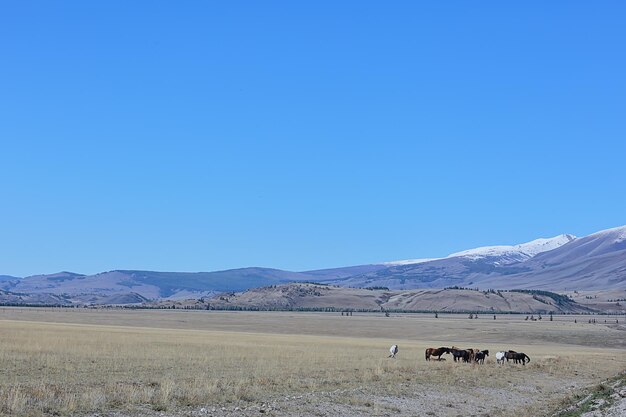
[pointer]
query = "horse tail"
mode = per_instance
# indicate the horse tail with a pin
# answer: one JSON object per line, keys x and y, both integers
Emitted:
{"x": 426, "y": 354}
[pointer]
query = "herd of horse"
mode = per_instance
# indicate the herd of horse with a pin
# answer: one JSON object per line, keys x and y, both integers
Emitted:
{"x": 475, "y": 355}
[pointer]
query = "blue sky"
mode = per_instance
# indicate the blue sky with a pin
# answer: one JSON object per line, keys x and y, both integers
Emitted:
{"x": 196, "y": 136}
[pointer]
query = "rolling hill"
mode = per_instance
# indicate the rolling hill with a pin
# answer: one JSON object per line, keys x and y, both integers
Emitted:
{"x": 305, "y": 296}
{"x": 150, "y": 284}
{"x": 562, "y": 263}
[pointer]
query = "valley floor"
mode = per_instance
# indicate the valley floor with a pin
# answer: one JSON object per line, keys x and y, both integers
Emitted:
{"x": 195, "y": 363}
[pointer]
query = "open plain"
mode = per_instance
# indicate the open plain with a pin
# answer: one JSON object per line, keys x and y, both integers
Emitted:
{"x": 114, "y": 362}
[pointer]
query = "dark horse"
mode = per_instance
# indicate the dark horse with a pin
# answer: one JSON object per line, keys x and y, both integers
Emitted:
{"x": 517, "y": 357}
{"x": 480, "y": 356}
{"x": 460, "y": 354}
{"x": 436, "y": 352}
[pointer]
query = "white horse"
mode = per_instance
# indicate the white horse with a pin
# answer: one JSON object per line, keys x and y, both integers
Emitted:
{"x": 393, "y": 350}
{"x": 500, "y": 357}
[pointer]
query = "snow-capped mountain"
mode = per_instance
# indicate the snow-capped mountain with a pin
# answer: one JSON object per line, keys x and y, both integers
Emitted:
{"x": 596, "y": 261}
{"x": 528, "y": 249}
{"x": 507, "y": 253}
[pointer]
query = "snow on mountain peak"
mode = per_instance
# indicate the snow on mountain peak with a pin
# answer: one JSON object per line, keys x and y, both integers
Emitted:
{"x": 543, "y": 245}
{"x": 617, "y": 233}
{"x": 508, "y": 253}
{"x": 526, "y": 250}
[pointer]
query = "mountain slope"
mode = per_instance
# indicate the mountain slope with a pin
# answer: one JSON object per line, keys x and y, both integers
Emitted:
{"x": 306, "y": 296}
{"x": 345, "y": 272}
{"x": 597, "y": 261}
{"x": 519, "y": 252}
{"x": 13, "y": 298}
{"x": 505, "y": 253}
{"x": 594, "y": 262}
{"x": 7, "y": 278}
{"x": 150, "y": 284}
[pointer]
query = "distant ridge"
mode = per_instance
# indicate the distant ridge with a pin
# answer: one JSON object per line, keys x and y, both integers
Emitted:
{"x": 561, "y": 263}
{"x": 299, "y": 296}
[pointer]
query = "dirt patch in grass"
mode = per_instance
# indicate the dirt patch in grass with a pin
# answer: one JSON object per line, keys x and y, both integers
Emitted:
{"x": 605, "y": 399}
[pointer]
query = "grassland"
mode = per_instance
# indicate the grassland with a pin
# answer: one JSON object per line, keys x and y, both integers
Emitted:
{"x": 117, "y": 362}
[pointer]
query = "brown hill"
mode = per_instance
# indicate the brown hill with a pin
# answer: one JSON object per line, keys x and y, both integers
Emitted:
{"x": 16, "y": 298}
{"x": 606, "y": 301}
{"x": 302, "y": 296}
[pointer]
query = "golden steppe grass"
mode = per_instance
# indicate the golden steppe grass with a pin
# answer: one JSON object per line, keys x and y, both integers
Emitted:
{"x": 59, "y": 361}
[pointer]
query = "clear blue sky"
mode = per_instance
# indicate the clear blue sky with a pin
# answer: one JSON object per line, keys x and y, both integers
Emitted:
{"x": 196, "y": 136}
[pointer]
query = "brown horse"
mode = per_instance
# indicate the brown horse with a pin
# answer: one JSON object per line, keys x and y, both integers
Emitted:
{"x": 436, "y": 352}
{"x": 472, "y": 354}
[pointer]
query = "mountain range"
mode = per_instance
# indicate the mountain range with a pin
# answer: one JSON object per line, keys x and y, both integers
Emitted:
{"x": 561, "y": 263}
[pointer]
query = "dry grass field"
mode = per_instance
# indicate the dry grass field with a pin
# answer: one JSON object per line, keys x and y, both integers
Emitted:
{"x": 175, "y": 363}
